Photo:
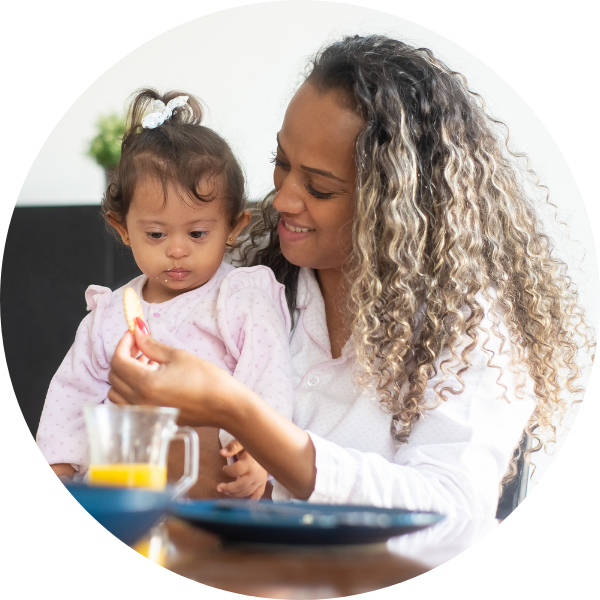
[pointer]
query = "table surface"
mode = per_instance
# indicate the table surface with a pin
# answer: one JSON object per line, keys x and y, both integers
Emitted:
{"x": 276, "y": 571}
{"x": 271, "y": 571}
{"x": 294, "y": 572}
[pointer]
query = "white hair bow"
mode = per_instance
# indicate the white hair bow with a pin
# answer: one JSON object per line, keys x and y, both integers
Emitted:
{"x": 160, "y": 113}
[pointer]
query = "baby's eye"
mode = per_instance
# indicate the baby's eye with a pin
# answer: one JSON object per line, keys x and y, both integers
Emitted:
{"x": 198, "y": 235}
{"x": 155, "y": 235}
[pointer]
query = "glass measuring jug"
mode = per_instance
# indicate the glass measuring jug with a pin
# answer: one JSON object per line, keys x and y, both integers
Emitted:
{"x": 129, "y": 445}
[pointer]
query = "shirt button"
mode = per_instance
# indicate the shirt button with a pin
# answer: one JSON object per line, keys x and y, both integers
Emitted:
{"x": 313, "y": 381}
{"x": 156, "y": 315}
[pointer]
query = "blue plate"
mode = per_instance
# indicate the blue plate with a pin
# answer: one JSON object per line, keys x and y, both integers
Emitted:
{"x": 301, "y": 523}
{"x": 128, "y": 513}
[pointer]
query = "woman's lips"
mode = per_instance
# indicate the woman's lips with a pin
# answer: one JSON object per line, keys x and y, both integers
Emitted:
{"x": 177, "y": 274}
{"x": 298, "y": 233}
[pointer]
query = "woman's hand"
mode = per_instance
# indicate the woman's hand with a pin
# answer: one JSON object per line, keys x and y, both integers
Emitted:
{"x": 207, "y": 395}
{"x": 165, "y": 376}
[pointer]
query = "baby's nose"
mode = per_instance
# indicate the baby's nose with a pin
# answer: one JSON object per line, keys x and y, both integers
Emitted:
{"x": 178, "y": 249}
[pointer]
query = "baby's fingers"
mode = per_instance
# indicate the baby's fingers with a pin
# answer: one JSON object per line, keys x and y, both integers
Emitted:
{"x": 240, "y": 488}
{"x": 233, "y": 448}
{"x": 257, "y": 494}
{"x": 237, "y": 469}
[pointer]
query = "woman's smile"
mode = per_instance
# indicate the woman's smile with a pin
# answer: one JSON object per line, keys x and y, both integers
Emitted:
{"x": 297, "y": 228}
{"x": 293, "y": 233}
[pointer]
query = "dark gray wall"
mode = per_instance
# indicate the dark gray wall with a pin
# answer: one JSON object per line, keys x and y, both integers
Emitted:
{"x": 52, "y": 254}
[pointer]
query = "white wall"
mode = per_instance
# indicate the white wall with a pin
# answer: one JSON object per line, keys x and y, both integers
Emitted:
{"x": 245, "y": 75}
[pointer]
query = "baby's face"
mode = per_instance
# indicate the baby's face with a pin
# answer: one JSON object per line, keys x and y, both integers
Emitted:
{"x": 179, "y": 244}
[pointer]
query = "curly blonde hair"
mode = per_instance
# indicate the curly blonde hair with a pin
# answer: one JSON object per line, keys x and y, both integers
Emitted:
{"x": 441, "y": 218}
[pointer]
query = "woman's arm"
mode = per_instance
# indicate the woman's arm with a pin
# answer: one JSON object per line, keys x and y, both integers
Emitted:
{"x": 456, "y": 454}
{"x": 207, "y": 395}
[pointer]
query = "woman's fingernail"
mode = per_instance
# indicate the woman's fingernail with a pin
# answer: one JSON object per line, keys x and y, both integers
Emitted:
{"x": 143, "y": 327}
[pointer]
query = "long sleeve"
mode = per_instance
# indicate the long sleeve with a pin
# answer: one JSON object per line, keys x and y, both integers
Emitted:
{"x": 82, "y": 378}
{"x": 454, "y": 459}
{"x": 456, "y": 455}
{"x": 254, "y": 322}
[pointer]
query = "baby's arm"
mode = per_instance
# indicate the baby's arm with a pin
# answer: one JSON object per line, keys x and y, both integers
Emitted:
{"x": 82, "y": 378}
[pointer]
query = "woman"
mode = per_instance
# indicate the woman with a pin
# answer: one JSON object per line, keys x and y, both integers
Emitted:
{"x": 432, "y": 323}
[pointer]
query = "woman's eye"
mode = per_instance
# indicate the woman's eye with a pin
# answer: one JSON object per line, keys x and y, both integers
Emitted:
{"x": 277, "y": 162}
{"x": 309, "y": 188}
{"x": 155, "y": 235}
{"x": 198, "y": 235}
{"x": 322, "y": 195}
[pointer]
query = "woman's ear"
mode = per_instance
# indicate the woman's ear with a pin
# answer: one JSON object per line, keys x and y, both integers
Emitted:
{"x": 121, "y": 227}
{"x": 242, "y": 221}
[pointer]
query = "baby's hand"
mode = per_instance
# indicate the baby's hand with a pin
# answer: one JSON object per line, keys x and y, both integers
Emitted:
{"x": 64, "y": 471}
{"x": 251, "y": 478}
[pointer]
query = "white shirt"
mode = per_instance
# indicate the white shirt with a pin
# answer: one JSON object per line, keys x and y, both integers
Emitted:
{"x": 456, "y": 455}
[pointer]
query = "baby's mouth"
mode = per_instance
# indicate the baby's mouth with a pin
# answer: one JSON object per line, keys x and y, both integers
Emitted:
{"x": 177, "y": 273}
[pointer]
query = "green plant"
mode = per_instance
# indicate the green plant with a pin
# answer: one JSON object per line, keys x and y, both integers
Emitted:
{"x": 105, "y": 148}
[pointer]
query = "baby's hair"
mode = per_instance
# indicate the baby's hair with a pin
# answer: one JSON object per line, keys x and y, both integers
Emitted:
{"x": 181, "y": 151}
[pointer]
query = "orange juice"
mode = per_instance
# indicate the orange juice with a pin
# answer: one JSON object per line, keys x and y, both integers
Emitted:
{"x": 129, "y": 475}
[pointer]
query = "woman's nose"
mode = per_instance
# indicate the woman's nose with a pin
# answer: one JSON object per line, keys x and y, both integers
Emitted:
{"x": 288, "y": 198}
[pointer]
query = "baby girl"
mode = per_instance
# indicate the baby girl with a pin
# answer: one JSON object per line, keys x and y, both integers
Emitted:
{"x": 177, "y": 199}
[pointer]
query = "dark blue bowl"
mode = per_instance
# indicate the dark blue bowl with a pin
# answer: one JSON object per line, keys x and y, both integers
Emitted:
{"x": 128, "y": 513}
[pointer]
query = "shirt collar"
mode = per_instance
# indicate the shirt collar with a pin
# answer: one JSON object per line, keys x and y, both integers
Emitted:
{"x": 309, "y": 301}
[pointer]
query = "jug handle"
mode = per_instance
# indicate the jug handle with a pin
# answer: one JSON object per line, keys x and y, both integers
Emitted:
{"x": 191, "y": 461}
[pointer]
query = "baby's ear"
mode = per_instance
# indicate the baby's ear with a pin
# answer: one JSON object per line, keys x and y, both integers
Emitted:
{"x": 243, "y": 221}
{"x": 121, "y": 227}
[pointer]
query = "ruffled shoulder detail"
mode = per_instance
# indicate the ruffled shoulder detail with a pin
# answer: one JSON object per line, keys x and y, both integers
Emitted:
{"x": 260, "y": 277}
{"x": 97, "y": 294}
{"x": 257, "y": 278}
{"x": 99, "y": 299}
{"x": 249, "y": 296}
{"x": 103, "y": 327}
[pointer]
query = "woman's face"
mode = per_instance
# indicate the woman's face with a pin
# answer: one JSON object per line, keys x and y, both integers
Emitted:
{"x": 315, "y": 178}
